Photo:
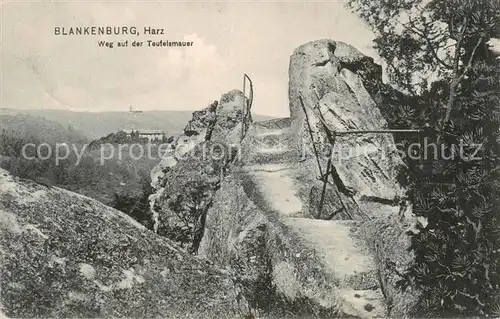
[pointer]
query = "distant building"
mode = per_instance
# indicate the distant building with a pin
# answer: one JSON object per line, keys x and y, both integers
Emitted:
{"x": 151, "y": 135}
{"x": 134, "y": 111}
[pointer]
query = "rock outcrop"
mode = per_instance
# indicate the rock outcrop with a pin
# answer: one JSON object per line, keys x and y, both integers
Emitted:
{"x": 188, "y": 177}
{"x": 221, "y": 122}
{"x": 298, "y": 246}
{"x": 264, "y": 225}
{"x": 336, "y": 79}
{"x": 289, "y": 265}
{"x": 249, "y": 198}
{"x": 66, "y": 255}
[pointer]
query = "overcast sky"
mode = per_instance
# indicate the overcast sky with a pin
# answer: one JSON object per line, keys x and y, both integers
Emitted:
{"x": 41, "y": 70}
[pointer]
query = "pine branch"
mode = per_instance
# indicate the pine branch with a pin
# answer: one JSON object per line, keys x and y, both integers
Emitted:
{"x": 423, "y": 34}
{"x": 469, "y": 64}
{"x": 458, "y": 46}
{"x": 458, "y": 78}
{"x": 434, "y": 53}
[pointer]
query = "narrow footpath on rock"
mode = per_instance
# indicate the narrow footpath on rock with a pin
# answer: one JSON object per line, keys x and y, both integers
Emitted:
{"x": 275, "y": 184}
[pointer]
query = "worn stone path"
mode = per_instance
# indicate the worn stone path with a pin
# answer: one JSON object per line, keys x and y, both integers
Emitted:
{"x": 274, "y": 168}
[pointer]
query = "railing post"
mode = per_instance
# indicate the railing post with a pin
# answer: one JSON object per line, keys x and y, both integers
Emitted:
{"x": 244, "y": 108}
{"x": 246, "y": 104}
{"x": 316, "y": 153}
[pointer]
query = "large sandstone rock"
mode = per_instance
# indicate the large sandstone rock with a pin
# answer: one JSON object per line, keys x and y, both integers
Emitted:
{"x": 298, "y": 247}
{"x": 66, "y": 255}
{"x": 295, "y": 244}
{"x": 264, "y": 224}
{"x": 335, "y": 78}
{"x": 228, "y": 127}
{"x": 187, "y": 177}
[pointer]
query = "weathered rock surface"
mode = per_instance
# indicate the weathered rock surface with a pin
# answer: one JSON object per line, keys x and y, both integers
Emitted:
{"x": 263, "y": 225}
{"x": 289, "y": 265}
{"x": 220, "y": 122}
{"x": 66, "y": 255}
{"x": 182, "y": 203}
{"x": 228, "y": 126}
{"x": 289, "y": 258}
{"x": 299, "y": 247}
{"x": 295, "y": 241}
{"x": 388, "y": 242}
{"x": 187, "y": 178}
{"x": 333, "y": 77}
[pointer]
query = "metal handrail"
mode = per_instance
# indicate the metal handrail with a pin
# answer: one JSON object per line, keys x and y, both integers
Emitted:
{"x": 311, "y": 135}
{"x": 247, "y": 104}
{"x": 331, "y": 136}
{"x": 331, "y": 139}
{"x": 378, "y": 131}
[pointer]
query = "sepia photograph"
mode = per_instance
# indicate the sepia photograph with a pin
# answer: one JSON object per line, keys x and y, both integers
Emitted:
{"x": 250, "y": 159}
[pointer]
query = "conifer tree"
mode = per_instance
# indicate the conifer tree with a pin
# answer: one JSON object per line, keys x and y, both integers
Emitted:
{"x": 455, "y": 185}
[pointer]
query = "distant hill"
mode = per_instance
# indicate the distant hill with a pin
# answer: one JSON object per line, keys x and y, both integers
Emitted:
{"x": 121, "y": 182}
{"x": 98, "y": 124}
{"x": 36, "y": 128}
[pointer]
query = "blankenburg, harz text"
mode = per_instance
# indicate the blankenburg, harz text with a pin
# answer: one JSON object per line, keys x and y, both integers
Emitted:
{"x": 107, "y": 30}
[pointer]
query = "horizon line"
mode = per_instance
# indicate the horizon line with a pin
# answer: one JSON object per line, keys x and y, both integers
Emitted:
{"x": 112, "y": 111}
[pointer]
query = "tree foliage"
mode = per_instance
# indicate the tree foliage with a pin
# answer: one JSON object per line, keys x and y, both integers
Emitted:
{"x": 136, "y": 206}
{"x": 436, "y": 52}
{"x": 439, "y": 39}
{"x": 83, "y": 175}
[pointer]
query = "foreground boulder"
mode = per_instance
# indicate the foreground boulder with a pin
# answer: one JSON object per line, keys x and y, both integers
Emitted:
{"x": 66, "y": 255}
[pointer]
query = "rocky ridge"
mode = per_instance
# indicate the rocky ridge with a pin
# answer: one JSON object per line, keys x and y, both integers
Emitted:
{"x": 245, "y": 197}
{"x": 296, "y": 246}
